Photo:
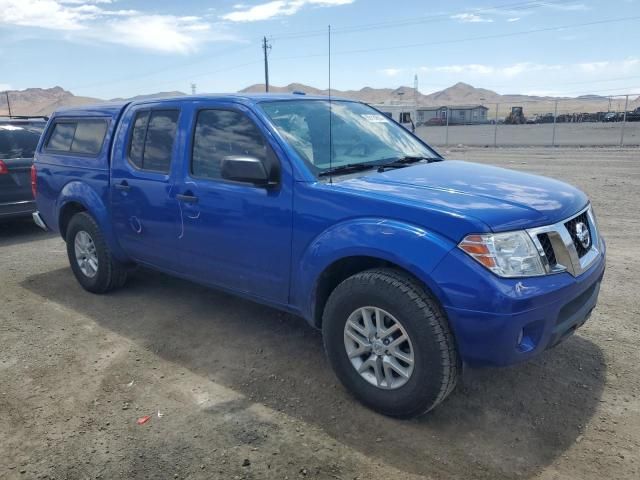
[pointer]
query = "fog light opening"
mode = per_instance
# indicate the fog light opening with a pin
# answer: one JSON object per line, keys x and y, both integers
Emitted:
{"x": 529, "y": 336}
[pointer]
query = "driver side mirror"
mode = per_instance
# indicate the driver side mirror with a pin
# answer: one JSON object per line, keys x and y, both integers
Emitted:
{"x": 247, "y": 170}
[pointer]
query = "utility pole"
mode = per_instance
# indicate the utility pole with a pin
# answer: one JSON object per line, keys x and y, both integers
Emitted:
{"x": 8, "y": 103}
{"x": 415, "y": 101}
{"x": 624, "y": 121}
{"x": 555, "y": 116}
{"x": 495, "y": 127}
{"x": 266, "y": 47}
{"x": 446, "y": 132}
{"x": 193, "y": 89}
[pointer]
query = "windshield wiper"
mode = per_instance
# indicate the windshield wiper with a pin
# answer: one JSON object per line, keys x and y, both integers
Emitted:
{"x": 401, "y": 162}
{"x": 349, "y": 167}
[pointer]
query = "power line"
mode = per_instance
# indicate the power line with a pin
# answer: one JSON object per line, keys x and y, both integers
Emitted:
{"x": 590, "y": 82}
{"x": 414, "y": 21}
{"x": 359, "y": 51}
{"x": 203, "y": 74}
{"x": 468, "y": 39}
{"x": 624, "y": 89}
{"x": 164, "y": 69}
{"x": 520, "y": 85}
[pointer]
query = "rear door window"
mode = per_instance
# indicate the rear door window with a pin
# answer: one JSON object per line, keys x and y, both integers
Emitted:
{"x": 136, "y": 147}
{"x": 152, "y": 139}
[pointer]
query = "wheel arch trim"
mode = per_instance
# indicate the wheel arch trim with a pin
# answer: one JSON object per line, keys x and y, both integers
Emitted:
{"x": 80, "y": 193}
{"x": 393, "y": 243}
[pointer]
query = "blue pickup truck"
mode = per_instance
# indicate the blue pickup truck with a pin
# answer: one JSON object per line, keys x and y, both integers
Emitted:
{"x": 411, "y": 266}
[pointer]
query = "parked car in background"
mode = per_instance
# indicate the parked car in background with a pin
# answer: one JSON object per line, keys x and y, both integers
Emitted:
{"x": 34, "y": 123}
{"x": 409, "y": 264}
{"x": 436, "y": 121}
{"x": 545, "y": 118}
{"x": 634, "y": 116}
{"x": 610, "y": 117}
{"x": 17, "y": 146}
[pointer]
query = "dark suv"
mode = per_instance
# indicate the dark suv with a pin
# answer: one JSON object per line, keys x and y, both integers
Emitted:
{"x": 18, "y": 141}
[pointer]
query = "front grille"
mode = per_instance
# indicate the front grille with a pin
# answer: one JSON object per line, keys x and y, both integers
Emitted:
{"x": 560, "y": 243}
{"x": 571, "y": 228}
{"x": 543, "y": 238}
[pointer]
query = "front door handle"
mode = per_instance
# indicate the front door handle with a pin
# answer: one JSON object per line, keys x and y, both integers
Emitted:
{"x": 187, "y": 198}
{"x": 124, "y": 186}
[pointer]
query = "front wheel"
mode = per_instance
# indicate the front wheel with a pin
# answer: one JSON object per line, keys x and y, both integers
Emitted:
{"x": 90, "y": 258}
{"x": 389, "y": 343}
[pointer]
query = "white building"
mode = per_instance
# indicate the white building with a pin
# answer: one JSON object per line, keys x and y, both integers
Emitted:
{"x": 403, "y": 114}
{"x": 458, "y": 114}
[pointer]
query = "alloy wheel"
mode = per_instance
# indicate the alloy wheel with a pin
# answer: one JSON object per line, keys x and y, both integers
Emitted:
{"x": 86, "y": 255}
{"x": 379, "y": 347}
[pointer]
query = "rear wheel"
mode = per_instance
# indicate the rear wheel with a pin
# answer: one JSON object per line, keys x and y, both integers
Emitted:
{"x": 389, "y": 343}
{"x": 91, "y": 260}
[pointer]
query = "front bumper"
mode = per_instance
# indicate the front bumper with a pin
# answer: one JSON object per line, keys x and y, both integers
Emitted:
{"x": 498, "y": 321}
{"x": 22, "y": 208}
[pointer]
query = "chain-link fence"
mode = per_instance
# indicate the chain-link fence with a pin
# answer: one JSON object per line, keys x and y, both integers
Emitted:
{"x": 587, "y": 121}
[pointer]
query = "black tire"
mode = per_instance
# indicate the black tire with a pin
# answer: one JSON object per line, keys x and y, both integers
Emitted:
{"x": 110, "y": 273}
{"x": 436, "y": 363}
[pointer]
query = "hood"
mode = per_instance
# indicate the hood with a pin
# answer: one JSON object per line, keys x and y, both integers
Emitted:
{"x": 500, "y": 198}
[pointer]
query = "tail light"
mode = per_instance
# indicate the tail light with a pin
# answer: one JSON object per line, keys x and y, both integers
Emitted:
{"x": 34, "y": 180}
{"x": 3, "y": 168}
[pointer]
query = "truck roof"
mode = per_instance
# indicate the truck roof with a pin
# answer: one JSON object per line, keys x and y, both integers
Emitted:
{"x": 113, "y": 108}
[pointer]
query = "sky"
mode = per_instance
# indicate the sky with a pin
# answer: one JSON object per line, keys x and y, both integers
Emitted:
{"x": 120, "y": 48}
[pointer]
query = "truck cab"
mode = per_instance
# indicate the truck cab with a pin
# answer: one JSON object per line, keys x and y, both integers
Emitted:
{"x": 412, "y": 266}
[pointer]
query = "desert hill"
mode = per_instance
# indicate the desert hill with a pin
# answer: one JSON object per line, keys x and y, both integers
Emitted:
{"x": 43, "y": 101}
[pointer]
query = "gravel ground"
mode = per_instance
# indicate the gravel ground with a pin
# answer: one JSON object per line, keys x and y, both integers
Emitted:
{"x": 236, "y": 390}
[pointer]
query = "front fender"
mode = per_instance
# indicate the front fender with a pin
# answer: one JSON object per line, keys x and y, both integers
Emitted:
{"x": 411, "y": 247}
{"x": 85, "y": 195}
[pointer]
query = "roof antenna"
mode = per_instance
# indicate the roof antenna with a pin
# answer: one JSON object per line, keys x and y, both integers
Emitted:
{"x": 330, "y": 114}
{"x": 8, "y": 102}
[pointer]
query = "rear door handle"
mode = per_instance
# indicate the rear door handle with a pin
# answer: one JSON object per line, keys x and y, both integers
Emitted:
{"x": 124, "y": 186}
{"x": 187, "y": 198}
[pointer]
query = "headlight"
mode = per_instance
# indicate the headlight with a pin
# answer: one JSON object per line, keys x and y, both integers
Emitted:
{"x": 510, "y": 254}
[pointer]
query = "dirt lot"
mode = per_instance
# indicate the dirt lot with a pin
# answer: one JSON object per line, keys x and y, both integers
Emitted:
{"x": 237, "y": 390}
{"x": 567, "y": 134}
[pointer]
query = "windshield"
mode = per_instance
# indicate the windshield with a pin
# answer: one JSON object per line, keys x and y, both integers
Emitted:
{"x": 17, "y": 143}
{"x": 361, "y": 135}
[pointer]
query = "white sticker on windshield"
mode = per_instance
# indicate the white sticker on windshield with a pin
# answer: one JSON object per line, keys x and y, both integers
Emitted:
{"x": 373, "y": 118}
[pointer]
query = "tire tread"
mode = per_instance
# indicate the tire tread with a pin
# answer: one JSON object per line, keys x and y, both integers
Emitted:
{"x": 398, "y": 282}
{"x": 116, "y": 273}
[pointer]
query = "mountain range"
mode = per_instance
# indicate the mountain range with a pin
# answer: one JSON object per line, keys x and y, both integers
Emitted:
{"x": 458, "y": 94}
{"x": 464, "y": 94}
{"x": 43, "y": 101}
